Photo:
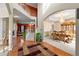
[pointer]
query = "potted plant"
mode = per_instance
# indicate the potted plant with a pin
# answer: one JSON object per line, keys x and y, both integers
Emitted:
{"x": 38, "y": 37}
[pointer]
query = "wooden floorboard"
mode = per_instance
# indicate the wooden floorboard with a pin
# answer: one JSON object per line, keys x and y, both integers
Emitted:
{"x": 55, "y": 50}
{"x": 41, "y": 47}
{"x": 43, "y": 51}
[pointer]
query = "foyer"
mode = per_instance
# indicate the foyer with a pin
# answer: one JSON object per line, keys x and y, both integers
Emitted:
{"x": 33, "y": 29}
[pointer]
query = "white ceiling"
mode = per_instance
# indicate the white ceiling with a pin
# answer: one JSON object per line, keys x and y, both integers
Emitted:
{"x": 66, "y": 14}
{"x": 33, "y": 4}
{"x": 21, "y": 17}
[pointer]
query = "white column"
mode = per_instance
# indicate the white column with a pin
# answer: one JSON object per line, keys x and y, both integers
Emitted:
{"x": 40, "y": 21}
{"x": 1, "y": 31}
{"x": 10, "y": 26}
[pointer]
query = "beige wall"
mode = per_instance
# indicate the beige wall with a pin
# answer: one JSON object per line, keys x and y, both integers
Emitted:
{"x": 57, "y": 26}
{"x": 47, "y": 26}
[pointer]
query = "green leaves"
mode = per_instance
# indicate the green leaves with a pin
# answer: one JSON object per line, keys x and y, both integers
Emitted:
{"x": 38, "y": 37}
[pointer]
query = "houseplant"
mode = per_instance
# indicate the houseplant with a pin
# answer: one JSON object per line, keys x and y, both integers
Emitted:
{"x": 38, "y": 37}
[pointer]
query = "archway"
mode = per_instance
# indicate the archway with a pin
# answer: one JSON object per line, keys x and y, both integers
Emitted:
{"x": 60, "y": 23}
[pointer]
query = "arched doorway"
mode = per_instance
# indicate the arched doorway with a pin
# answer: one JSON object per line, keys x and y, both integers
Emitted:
{"x": 60, "y": 26}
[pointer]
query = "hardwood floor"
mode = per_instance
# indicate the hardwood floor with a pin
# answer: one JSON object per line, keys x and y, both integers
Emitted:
{"x": 13, "y": 52}
{"x": 55, "y": 50}
{"x": 40, "y": 49}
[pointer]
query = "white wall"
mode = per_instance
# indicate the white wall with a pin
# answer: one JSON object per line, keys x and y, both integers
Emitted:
{"x": 3, "y": 11}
